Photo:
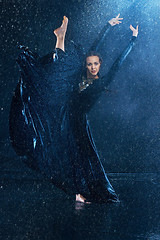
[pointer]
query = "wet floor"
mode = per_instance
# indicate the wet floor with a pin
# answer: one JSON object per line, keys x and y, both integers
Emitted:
{"x": 32, "y": 208}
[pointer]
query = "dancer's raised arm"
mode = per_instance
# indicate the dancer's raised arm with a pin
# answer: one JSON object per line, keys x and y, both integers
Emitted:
{"x": 116, "y": 65}
{"x": 105, "y": 30}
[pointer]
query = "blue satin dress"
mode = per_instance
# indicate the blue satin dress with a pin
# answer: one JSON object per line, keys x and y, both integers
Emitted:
{"x": 48, "y": 119}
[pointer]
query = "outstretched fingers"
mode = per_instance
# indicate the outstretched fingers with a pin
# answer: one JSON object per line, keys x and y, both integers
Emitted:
{"x": 134, "y": 30}
{"x": 118, "y": 18}
{"x": 118, "y": 22}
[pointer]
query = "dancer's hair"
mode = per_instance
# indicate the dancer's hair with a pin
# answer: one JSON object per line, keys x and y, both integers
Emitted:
{"x": 93, "y": 53}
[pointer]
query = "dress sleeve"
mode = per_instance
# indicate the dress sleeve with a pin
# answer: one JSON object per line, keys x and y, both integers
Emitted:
{"x": 106, "y": 79}
{"x": 100, "y": 39}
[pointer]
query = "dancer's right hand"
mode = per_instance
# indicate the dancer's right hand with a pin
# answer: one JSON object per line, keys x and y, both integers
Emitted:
{"x": 115, "y": 21}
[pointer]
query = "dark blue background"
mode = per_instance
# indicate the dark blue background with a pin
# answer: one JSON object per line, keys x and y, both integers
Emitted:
{"x": 125, "y": 123}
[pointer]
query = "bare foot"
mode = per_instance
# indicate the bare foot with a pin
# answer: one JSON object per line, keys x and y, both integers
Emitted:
{"x": 61, "y": 31}
{"x": 80, "y": 198}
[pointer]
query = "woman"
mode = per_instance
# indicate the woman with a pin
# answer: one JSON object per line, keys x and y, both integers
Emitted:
{"x": 50, "y": 108}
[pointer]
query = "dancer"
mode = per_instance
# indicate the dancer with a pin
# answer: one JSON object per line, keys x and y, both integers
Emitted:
{"x": 50, "y": 107}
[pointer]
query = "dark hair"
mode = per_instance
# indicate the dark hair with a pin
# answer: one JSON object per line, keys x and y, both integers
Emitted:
{"x": 90, "y": 54}
{"x": 93, "y": 53}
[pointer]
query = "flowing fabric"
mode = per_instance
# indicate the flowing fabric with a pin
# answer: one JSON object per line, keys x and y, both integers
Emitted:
{"x": 48, "y": 120}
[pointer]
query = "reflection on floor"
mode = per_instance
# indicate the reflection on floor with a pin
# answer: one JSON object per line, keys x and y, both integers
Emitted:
{"x": 32, "y": 208}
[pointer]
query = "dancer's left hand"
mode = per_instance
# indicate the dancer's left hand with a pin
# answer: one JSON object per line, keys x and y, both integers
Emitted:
{"x": 115, "y": 21}
{"x": 134, "y": 30}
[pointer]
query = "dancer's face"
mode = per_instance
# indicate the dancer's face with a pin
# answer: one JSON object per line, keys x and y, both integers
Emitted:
{"x": 93, "y": 65}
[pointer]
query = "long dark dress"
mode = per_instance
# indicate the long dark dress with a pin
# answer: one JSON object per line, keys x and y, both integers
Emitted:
{"x": 48, "y": 120}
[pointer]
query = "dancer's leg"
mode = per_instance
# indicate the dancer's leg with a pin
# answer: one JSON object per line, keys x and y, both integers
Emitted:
{"x": 60, "y": 34}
